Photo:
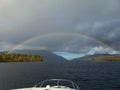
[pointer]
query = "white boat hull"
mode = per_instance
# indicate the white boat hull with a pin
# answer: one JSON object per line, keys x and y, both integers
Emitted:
{"x": 43, "y": 89}
{"x": 53, "y": 84}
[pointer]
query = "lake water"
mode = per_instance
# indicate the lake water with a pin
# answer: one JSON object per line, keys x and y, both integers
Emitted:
{"x": 89, "y": 75}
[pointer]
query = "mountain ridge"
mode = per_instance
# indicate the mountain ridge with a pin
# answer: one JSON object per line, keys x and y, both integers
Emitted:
{"x": 90, "y": 57}
{"x": 47, "y": 55}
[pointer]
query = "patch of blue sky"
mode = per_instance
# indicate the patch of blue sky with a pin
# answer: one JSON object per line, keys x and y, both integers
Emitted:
{"x": 69, "y": 56}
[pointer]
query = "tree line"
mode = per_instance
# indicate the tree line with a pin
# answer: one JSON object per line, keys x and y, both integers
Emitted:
{"x": 109, "y": 58}
{"x": 5, "y": 57}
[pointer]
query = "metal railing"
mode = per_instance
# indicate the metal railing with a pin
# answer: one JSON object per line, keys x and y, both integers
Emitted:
{"x": 58, "y": 83}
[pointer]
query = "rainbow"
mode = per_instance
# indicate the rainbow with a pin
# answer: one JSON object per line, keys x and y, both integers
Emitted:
{"x": 41, "y": 36}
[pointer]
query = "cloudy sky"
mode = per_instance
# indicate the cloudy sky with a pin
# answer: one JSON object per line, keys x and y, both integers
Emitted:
{"x": 96, "y": 21}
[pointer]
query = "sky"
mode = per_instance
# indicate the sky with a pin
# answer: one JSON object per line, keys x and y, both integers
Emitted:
{"x": 97, "y": 21}
{"x": 68, "y": 55}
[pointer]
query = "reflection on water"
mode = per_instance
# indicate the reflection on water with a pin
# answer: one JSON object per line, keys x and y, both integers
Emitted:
{"x": 89, "y": 75}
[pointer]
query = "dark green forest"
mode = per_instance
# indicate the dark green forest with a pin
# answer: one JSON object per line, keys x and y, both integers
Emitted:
{"x": 5, "y": 57}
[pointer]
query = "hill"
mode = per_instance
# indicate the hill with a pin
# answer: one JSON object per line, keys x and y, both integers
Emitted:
{"x": 105, "y": 57}
{"x": 47, "y": 55}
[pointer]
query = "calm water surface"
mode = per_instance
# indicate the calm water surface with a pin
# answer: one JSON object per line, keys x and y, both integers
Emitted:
{"x": 89, "y": 75}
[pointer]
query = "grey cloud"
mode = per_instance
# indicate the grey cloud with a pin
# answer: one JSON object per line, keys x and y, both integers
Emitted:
{"x": 5, "y": 45}
{"x": 106, "y": 31}
{"x": 27, "y": 18}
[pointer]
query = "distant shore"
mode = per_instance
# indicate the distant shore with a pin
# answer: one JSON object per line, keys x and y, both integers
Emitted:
{"x": 5, "y": 57}
{"x": 106, "y": 58}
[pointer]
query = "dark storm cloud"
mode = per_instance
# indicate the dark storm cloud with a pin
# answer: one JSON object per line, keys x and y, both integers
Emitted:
{"x": 106, "y": 31}
{"x": 27, "y": 18}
